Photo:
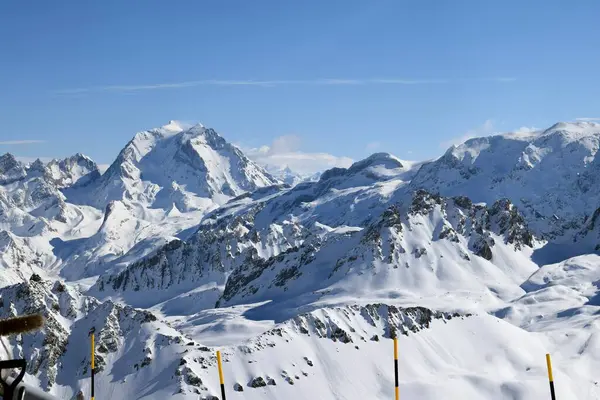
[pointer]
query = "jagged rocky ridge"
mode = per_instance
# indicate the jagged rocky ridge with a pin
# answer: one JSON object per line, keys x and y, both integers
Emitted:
{"x": 290, "y": 258}
{"x": 30, "y": 194}
{"x": 58, "y": 355}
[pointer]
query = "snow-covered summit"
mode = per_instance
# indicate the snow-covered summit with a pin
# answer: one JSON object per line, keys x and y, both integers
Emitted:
{"x": 31, "y": 198}
{"x": 75, "y": 170}
{"x": 553, "y": 175}
{"x": 191, "y": 167}
{"x": 10, "y": 169}
{"x": 175, "y": 126}
{"x": 161, "y": 184}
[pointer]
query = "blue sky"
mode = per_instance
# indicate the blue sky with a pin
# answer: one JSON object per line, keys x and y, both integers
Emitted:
{"x": 339, "y": 77}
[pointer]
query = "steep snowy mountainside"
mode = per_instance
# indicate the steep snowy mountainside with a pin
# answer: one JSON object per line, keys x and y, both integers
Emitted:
{"x": 553, "y": 176}
{"x": 130, "y": 342}
{"x": 160, "y": 186}
{"x": 34, "y": 212}
{"x": 76, "y": 170}
{"x": 162, "y": 183}
{"x": 274, "y": 205}
{"x": 590, "y": 232}
{"x": 30, "y": 194}
{"x": 21, "y": 257}
{"x": 187, "y": 168}
{"x": 11, "y": 169}
{"x": 425, "y": 247}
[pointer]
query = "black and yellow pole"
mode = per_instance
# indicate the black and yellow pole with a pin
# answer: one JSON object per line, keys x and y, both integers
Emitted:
{"x": 396, "y": 389}
{"x": 221, "y": 380}
{"x": 550, "y": 377}
{"x": 93, "y": 361}
{"x": 93, "y": 364}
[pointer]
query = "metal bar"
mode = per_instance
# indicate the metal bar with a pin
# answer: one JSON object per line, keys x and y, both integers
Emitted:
{"x": 396, "y": 387}
{"x": 550, "y": 377}
{"x": 93, "y": 365}
{"x": 221, "y": 380}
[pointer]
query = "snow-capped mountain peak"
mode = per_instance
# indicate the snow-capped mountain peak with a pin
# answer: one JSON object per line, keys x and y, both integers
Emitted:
{"x": 10, "y": 169}
{"x": 450, "y": 254}
{"x": 78, "y": 169}
{"x": 175, "y": 126}
{"x": 552, "y": 175}
{"x": 189, "y": 166}
{"x": 165, "y": 179}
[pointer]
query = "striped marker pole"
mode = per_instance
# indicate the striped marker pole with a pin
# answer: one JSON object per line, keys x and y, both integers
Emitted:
{"x": 221, "y": 380}
{"x": 550, "y": 377}
{"x": 396, "y": 389}
{"x": 93, "y": 364}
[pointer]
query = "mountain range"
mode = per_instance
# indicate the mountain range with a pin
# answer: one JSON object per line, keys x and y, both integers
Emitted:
{"x": 481, "y": 262}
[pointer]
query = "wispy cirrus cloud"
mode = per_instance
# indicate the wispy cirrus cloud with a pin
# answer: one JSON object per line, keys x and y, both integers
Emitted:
{"x": 268, "y": 83}
{"x": 17, "y": 142}
{"x": 587, "y": 119}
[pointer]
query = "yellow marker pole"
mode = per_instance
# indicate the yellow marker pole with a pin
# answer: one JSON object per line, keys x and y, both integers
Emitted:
{"x": 550, "y": 377}
{"x": 221, "y": 380}
{"x": 93, "y": 365}
{"x": 396, "y": 389}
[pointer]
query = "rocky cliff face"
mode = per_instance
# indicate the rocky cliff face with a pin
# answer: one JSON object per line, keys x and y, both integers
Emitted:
{"x": 58, "y": 354}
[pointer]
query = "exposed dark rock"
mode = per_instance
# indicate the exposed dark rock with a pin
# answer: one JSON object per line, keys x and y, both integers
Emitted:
{"x": 463, "y": 202}
{"x": 424, "y": 202}
{"x": 482, "y": 249}
{"x": 419, "y": 252}
{"x": 257, "y": 382}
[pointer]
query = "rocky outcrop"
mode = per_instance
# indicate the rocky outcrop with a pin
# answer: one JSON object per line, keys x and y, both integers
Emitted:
{"x": 69, "y": 318}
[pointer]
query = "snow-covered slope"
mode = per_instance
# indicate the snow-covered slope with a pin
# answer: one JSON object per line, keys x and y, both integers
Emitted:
{"x": 174, "y": 167}
{"x": 128, "y": 341}
{"x": 329, "y": 353}
{"x": 161, "y": 184}
{"x": 425, "y": 247}
{"x": 34, "y": 212}
{"x": 30, "y": 197}
{"x": 484, "y": 259}
{"x": 551, "y": 175}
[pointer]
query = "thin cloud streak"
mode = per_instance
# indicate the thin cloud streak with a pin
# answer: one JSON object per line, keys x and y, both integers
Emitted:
{"x": 587, "y": 119}
{"x": 267, "y": 83}
{"x": 17, "y": 142}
